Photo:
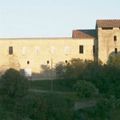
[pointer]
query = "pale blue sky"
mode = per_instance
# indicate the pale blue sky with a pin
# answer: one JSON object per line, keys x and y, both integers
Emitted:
{"x": 53, "y": 18}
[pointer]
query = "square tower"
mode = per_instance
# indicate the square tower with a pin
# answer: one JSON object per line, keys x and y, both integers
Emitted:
{"x": 108, "y": 38}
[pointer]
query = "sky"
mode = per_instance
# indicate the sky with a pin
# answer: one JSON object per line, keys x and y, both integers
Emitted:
{"x": 53, "y": 18}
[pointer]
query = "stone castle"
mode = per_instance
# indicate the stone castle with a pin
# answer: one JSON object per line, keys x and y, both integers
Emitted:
{"x": 34, "y": 56}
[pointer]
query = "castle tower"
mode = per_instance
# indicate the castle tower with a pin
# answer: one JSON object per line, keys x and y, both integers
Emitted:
{"x": 108, "y": 38}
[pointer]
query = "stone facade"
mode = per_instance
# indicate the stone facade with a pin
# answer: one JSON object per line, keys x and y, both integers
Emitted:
{"x": 37, "y": 56}
{"x": 108, "y": 41}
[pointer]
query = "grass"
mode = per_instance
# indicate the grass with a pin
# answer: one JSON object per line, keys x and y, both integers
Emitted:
{"x": 115, "y": 115}
{"x": 56, "y": 85}
{"x": 67, "y": 93}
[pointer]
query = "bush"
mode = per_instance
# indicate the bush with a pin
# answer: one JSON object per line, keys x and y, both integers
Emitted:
{"x": 85, "y": 89}
{"x": 114, "y": 60}
{"x": 13, "y": 84}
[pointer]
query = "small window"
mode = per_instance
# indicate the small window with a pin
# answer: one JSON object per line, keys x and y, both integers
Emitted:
{"x": 116, "y": 50}
{"x": 48, "y": 61}
{"x": 93, "y": 49}
{"x": 10, "y": 50}
{"x": 107, "y": 28}
{"x": 115, "y": 38}
{"x": 66, "y": 61}
{"x": 81, "y": 50}
{"x": 28, "y": 62}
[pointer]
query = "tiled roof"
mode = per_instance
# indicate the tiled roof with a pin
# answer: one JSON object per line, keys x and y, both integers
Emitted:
{"x": 84, "y": 34}
{"x": 108, "y": 23}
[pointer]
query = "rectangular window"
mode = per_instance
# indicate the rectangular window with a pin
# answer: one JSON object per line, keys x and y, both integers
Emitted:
{"x": 93, "y": 49}
{"x": 115, "y": 38}
{"x": 116, "y": 50}
{"x": 10, "y": 50}
{"x": 81, "y": 49}
{"x": 107, "y": 28}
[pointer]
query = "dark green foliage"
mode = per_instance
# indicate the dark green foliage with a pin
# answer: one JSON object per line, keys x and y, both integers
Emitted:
{"x": 59, "y": 108}
{"x": 71, "y": 70}
{"x": 58, "y": 85}
{"x": 17, "y": 103}
{"x": 85, "y": 89}
{"x": 13, "y": 84}
{"x": 90, "y": 80}
{"x": 60, "y": 70}
{"x": 114, "y": 60}
{"x": 105, "y": 77}
{"x": 102, "y": 111}
{"x": 36, "y": 108}
{"x": 13, "y": 89}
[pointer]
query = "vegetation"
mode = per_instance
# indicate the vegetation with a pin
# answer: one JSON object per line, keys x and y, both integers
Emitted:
{"x": 78, "y": 81}
{"x": 13, "y": 85}
{"x": 85, "y": 89}
{"x": 18, "y": 103}
{"x": 104, "y": 78}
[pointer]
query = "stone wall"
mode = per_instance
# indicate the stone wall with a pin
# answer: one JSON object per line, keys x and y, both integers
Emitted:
{"x": 41, "y": 55}
{"x": 106, "y": 43}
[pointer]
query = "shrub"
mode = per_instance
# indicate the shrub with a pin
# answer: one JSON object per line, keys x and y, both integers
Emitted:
{"x": 114, "y": 60}
{"x": 13, "y": 84}
{"x": 85, "y": 89}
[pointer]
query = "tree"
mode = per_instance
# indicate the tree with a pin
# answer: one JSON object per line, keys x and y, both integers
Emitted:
{"x": 13, "y": 84}
{"x": 60, "y": 70}
{"x": 71, "y": 70}
{"x": 114, "y": 60}
{"x": 13, "y": 90}
{"x": 85, "y": 89}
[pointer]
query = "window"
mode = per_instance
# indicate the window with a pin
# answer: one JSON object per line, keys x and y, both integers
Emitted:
{"x": 93, "y": 49}
{"x": 116, "y": 50}
{"x": 107, "y": 28}
{"x": 66, "y": 61}
{"x": 28, "y": 62}
{"x": 81, "y": 49}
{"x": 10, "y": 50}
{"x": 115, "y": 38}
{"x": 48, "y": 62}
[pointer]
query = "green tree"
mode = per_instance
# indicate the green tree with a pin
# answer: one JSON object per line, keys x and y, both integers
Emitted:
{"x": 13, "y": 84}
{"x": 74, "y": 69}
{"x": 13, "y": 89}
{"x": 85, "y": 89}
{"x": 114, "y": 60}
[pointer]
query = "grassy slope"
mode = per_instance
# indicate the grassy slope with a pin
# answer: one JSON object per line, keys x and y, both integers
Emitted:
{"x": 59, "y": 85}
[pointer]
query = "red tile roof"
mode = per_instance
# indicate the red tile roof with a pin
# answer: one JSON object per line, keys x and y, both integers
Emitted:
{"x": 108, "y": 23}
{"x": 84, "y": 34}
